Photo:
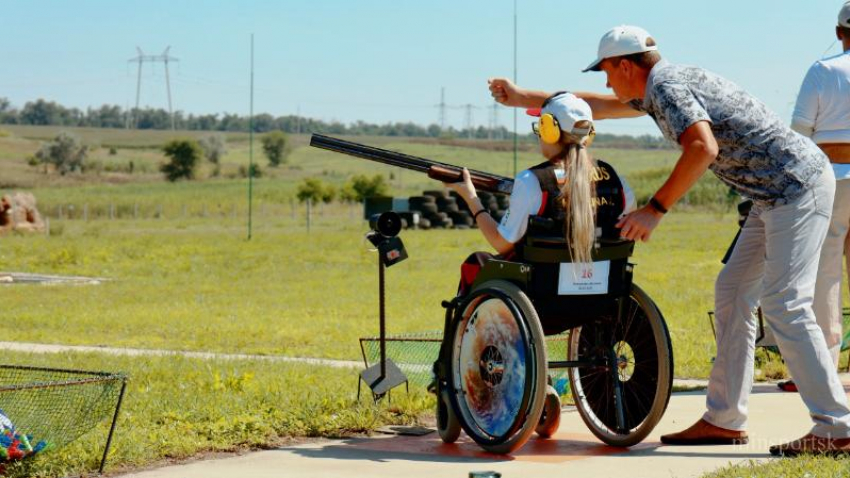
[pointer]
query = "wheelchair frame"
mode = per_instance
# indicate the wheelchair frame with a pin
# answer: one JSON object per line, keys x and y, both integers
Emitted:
{"x": 548, "y": 252}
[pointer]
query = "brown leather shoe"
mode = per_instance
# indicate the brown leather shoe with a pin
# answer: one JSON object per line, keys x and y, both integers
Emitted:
{"x": 814, "y": 445}
{"x": 704, "y": 433}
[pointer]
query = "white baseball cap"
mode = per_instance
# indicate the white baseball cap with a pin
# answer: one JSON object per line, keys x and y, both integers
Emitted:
{"x": 844, "y": 15}
{"x": 568, "y": 109}
{"x": 620, "y": 41}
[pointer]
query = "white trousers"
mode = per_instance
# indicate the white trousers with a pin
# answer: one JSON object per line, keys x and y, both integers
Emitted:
{"x": 775, "y": 262}
{"x": 827, "y": 305}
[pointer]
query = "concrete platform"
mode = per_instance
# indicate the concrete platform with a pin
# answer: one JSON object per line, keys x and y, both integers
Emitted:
{"x": 775, "y": 417}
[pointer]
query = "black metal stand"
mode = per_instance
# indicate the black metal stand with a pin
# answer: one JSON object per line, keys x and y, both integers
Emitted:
{"x": 384, "y": 375}
{"x": 112, "y": 428}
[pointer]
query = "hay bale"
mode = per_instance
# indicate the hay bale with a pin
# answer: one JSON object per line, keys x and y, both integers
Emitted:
{"x": 18, "y": 212}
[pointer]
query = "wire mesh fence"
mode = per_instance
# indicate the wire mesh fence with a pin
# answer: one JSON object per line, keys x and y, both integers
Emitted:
{"x": 415, "y": 355}
{"x": 43, "y": 409}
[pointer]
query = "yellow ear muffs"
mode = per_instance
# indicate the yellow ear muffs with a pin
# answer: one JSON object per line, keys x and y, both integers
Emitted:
{"x": 550, "y": 130}
{"x": 590, "y": 137}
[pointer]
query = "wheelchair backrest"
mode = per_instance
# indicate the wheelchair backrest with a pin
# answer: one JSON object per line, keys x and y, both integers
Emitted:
{"x": 566, "y": 294}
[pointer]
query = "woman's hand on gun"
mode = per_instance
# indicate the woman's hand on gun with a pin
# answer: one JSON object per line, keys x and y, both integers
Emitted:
{"x": 464, "y": 188}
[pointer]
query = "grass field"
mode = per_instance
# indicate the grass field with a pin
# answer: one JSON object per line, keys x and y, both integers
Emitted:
{"x": 189, "y": 280}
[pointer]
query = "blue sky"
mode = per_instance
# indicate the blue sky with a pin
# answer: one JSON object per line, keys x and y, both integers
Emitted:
{"x": 382, "y": 60}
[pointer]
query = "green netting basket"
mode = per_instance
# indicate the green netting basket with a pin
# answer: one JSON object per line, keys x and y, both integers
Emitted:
{"x": 43, "y": 409}
{"x": 415, "y": 354}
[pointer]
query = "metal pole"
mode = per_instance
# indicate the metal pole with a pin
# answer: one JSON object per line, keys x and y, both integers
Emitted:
{"x": 515, "y": 81}
{"x": 112, "y": 428}
{"x": 138, "y": 90}
{"x": 382, "y": 316}
{"x": 168, "y": 87}
{"x": 251, "y": 144}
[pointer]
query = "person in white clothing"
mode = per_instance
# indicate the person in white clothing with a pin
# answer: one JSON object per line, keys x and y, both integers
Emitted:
{"x": 822, "y": 113}
{"x": 587, "y": 195}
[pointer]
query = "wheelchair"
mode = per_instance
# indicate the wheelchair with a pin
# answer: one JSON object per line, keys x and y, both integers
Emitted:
{"x": 492, "y": 371}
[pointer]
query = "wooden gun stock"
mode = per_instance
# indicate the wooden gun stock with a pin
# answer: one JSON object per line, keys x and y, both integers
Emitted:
{"x": 455, "y": 175}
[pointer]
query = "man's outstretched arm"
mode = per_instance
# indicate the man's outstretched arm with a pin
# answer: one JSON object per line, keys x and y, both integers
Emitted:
{"x": 507, "y": 93}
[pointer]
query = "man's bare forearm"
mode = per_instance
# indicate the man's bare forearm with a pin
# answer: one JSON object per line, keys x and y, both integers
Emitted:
{"x": 607, "y": 106}
{"x": 692, "y": 164}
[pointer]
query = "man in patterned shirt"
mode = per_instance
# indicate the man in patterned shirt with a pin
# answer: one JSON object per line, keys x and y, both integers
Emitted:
{"x": 721, "y": 127}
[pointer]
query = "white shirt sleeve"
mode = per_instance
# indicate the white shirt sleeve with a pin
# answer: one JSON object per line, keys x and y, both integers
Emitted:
{"x": 808, "y": 102}
{"x": 526, "y": 198}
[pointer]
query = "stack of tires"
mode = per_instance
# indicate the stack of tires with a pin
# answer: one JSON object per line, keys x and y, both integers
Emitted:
{"x": 442, "y": 209}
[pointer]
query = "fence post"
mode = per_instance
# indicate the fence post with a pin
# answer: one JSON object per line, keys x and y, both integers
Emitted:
{"x": 59, "y": 212}
{"x": 184, "y": 211}
{"x": 292, "y": 208}
{"x": 159, "y": 211}
{"x": 111, "y": 211}
{"x": 309, "y": 213}
{"x": 135, "y": 210}
{"x": 47, "y": 226}
{"x": 86, "y": 212}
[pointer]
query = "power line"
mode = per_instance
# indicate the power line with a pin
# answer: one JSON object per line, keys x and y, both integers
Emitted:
{"x": 163, "y": 58}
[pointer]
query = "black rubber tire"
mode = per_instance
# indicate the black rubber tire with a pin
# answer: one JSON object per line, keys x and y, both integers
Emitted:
{"x": 550, "y": 420}
{"x": 646, "y": 378}
{"x": 416, "y": 201}
{"x": 445, "y": 201}
{"x": 447, "y": 424}
{"x": 436, "y": 193}
{"x": 461, "y": 218}
{"x": 424, "y": 223}
{"x": 427, "y": 209}
{"x": 526, "y": 416}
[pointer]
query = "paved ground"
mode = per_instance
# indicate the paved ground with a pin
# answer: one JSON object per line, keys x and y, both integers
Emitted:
{"x": 59, "y": 348}
{"x": 573, "y": 452}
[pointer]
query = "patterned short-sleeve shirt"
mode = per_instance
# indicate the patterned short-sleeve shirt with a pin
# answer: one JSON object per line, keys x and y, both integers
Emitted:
{"x": 759, "y": 156}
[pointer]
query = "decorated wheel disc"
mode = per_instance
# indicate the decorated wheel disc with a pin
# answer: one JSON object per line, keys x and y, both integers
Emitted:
{"x": 490, "y": 368}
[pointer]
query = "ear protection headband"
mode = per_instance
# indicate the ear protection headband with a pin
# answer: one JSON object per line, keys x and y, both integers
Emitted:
{"x": 550, "y": 129}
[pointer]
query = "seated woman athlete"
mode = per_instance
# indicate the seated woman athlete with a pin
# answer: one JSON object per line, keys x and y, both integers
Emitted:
{"x": 587, "y": 196}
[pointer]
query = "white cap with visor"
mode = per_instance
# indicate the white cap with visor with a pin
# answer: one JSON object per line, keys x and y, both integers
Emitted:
{"x": 844, "y": 16}
{"x": 620, "y": 41}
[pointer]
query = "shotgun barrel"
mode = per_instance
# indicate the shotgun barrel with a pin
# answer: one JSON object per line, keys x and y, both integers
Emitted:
{"x": 445, "y": 172}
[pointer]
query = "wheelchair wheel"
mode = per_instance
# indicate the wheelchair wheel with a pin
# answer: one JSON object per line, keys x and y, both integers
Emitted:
{"x": 622, "y": 407}
{"x": 551, "y": 417}
{"x": 447, "y": 425}
{"x": 497, "y": 367}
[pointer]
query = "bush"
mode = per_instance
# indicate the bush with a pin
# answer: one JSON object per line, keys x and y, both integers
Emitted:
{"x": 361, "y": 187}
{"x": 65, "y": 153}
{"x": 315, "y": 190}
{"x": 183, "y": 157}
{"x": 255, "y": 169}
{"x": 274, "y": 147}
{"x": 214, "y": 147}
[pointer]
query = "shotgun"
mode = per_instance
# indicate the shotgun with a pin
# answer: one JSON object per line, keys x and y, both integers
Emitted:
{"x": 448, "y": 173}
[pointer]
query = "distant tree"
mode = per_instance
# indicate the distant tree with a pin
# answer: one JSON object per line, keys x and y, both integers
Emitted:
{"x": 361, "y": 187}
{"x": 65, "y": 153}
{"x": 256, "y": 172}
{"x": 315, "y": 190}
{"x": 214, "y": 147}
{"x": 274, "y": 147}
{"x": 183, "y": 157}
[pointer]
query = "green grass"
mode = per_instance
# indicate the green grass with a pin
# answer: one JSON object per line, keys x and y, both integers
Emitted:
{"x": 189, "y": 280}
{"x": 175, "y": 408}
{"x": 146, "y": 191}
{"x": 197, "y": 284}
{"x": 801, "y": 467}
